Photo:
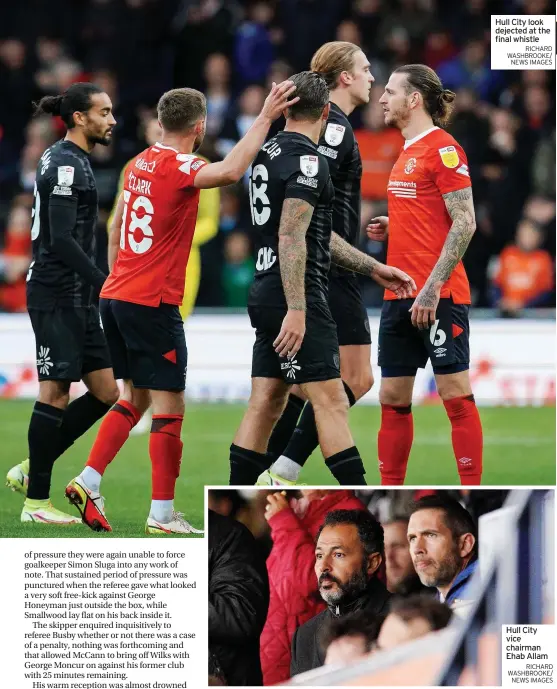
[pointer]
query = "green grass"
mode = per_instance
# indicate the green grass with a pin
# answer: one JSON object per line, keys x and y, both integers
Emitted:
{"x": 519, "y": 450}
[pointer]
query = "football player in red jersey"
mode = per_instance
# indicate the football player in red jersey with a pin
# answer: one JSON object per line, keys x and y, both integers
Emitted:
{"x": 154, "y": 225}
{"x": 430, "y": 224}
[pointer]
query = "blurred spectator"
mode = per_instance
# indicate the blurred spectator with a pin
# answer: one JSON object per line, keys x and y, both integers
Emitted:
{"x": 350, "y": 638}
{"x": 523, "y": 274}
{"x": 471, "y": 69}
{"x": 238, "y": 270}
{"x": 348, "y": 554}
{"x": 238, "y": 601}
{"x": 443, "y": 541}
{"x": 401, "y": 575}
{"x": 379, "y": 147}
{"x": 543, "y": 166}
{"x": 217, "y": 91}
{"x": 236, "y": 125}
{"x": 253, "y": 50}
{"x": 15, "y": 259}
{"x": 294, "y": 597}
{"x": 412, "y": 618}
{"x": 439, "y": 47}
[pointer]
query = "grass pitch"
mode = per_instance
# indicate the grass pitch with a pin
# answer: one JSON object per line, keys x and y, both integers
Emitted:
{"x": 519, "y": 450}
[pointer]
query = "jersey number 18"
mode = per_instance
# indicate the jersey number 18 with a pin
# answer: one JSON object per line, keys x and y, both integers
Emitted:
{"x": 138, "y": 244}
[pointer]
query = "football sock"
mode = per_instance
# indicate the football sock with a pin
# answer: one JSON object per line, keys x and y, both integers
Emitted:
{"x": 165, "y": 450}
{"x": 285, "y": 426}
{"x": 286, "y": 468}
{"x": 394, "y": 443}
{"x": 467, "y": 438}
{"x": 113, "y": 433}
{"x": 245, "y": 466}
{"x": 347, "y": 467}
{"x": 44, "y": 437}
{"x": 79, "y": 416}
{"x": 305, "y": 439}
{"x": 161, "y": 510}
{"x": 91, "y": 478}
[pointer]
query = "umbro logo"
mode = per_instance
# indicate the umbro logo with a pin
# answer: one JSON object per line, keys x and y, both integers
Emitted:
{"x": 290, "y": 366}
{"x": 440, "y": 350}
{"x": 44, "y": 362}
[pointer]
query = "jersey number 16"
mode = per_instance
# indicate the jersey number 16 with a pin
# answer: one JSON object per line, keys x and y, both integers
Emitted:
{"x": 139, "y": 242}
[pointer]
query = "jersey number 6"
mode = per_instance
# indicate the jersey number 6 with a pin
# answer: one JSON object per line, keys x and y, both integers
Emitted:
{"x": 142, "y": 244}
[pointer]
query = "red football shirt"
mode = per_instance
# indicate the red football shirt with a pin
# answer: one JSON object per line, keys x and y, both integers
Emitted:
{"x": 160, "y": 212}
{"x": 430, "y": 165}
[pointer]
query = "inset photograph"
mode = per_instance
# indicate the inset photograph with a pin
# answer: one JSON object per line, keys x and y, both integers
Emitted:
{"x": 367, "y": 587}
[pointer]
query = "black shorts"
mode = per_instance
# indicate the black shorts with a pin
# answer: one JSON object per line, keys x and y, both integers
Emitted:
{"x": 147, "y": 344}
{"x": 318, "y": 358}
{"x": 70, "y": 343}
{"x": 348, "y": 310}
{"x": 403, "y": 348}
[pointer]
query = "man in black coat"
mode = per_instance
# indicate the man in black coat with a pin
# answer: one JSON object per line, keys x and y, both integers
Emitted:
{"x": 348, "y": 554}
{"x": 238, "y": 602}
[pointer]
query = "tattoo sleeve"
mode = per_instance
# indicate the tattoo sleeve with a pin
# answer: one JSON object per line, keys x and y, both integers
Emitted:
{"x": 347, "y": 256}
{"x": 294, "y": 222}
{"x": 460, "y": 207}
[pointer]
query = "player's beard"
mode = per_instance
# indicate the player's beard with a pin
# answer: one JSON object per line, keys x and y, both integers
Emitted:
{"x": 103, "y": 140}
{"x": 398, "y": 118}
{"x": 198, "y": 141}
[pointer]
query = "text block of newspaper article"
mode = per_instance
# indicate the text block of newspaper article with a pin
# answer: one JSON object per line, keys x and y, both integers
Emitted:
{"x": 528, "y": 654}
{"x": 522, "y": 41}
{"x": 104, "y": 614}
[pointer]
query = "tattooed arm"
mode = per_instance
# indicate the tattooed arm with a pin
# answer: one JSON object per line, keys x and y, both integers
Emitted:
{"x": 294, "y": 222}
{"x": 460, "y": 207}
{"x": 347, "y": 256}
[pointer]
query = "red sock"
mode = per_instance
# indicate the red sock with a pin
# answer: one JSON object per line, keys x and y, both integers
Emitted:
{"x": 467, "y": 438}
{"x": 165, "y": 450}
{"x": 394, "y": 443}
{"x": 113, "y": 433}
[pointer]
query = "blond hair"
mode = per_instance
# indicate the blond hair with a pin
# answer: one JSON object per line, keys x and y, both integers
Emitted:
{"x": 179, "y": 109}
{"x": 332, "y": 59}
{"x": 438, "y": 101}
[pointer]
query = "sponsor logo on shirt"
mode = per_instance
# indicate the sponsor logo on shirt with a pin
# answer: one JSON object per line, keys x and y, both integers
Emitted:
{"x": 62, "y": 191}
{"x": 329, "y": 152}
{"x": 334, "y": 134}
{"x": 308, "y": 181}
{"x": 402, "y": 189}
{"x": 449, "y": 156}
{"x": 141, "y": 164}
{"x": 65, "y": 175}
{"x": 309, "y": 165}
{"x": 410, "y": 166}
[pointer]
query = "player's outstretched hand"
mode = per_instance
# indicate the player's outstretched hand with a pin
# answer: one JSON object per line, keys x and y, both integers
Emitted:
{"x": 276, "y": 502}
{"x": 395, "y": 280}
{"x": 291, "y": 334}
{"x": 277, "y": 100}
{"x": 378, "y": 228}
{"x": 424, "y": 307}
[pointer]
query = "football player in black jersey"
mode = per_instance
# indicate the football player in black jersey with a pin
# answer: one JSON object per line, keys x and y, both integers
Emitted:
{"x": 346, "y": 70}
{"x": 62, "y": 285}
{"x": 291, "y": 197}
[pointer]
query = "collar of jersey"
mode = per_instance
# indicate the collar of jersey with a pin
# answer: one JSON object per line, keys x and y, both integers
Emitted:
{"x": 168, "y": 148}
{"x": 420, "y": 136}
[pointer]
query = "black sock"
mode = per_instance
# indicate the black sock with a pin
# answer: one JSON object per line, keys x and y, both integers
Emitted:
{"x": 80, "y": 415}
{"x": 347, "y": 467}
{"x": 284, "y": 428}
{"x": 305, "y": 439}
{"x": 245, "y": 466}
{"x": 44, "y": 438}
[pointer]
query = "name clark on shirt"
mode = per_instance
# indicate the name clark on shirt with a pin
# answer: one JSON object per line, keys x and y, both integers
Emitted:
{"x": 141, "y": 186}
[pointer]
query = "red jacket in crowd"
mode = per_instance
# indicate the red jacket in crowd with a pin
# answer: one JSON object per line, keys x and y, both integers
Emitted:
{"x": 293, "y": 585}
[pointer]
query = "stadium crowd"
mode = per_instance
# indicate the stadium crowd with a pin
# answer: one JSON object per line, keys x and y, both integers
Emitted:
{"x": 302, "y": 579}
{"x": 233, "y": 50}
